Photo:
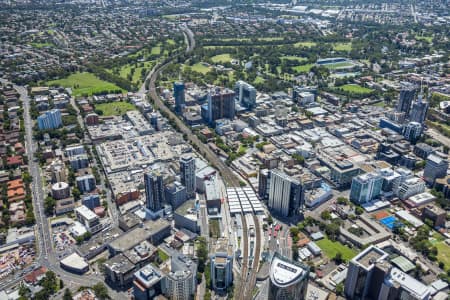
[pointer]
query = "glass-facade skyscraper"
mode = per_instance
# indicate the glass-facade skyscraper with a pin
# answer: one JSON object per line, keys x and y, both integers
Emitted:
{"x": 154, "y": 191}
{"x": 178, "y": 95}
{"x": 366, "y": 187}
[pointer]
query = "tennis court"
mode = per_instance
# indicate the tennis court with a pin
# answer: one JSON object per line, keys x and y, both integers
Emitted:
{"x": 389, "y": 222}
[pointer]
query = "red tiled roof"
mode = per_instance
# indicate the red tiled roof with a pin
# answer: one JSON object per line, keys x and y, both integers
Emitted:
{"x": 32, "y": 277}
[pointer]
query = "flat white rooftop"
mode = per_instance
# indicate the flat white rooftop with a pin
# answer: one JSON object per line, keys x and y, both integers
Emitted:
{"x": 86, "y": 212}
{"x": 409, "y": 283}
{"x": 284, "y": 273}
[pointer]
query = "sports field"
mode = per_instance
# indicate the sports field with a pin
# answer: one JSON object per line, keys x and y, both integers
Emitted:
{"x": 86, "y": 83}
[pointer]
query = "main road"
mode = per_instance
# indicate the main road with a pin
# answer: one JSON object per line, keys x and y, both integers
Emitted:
{"x": 45, "y": 253}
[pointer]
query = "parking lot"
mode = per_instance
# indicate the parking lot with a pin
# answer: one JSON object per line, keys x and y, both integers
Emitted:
{"x": 62, "y": 241}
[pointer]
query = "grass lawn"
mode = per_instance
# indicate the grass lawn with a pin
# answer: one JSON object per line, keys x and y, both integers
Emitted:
{"x": 429, "y": 39}
{"x": 41, "y": 45}
{"x": 303, "y": 68}
{"x": 342, "y": 46}
{"x": 199, "y": 67}
{"x": 242, "y": 150}
{"x": 380, "y": 104}
{"x": 85, "y": 83}
{"x": 291, "y": 57}
{"x": 163, "y": 255}
{"x": 443, "y": 254}
{"x": 354, "y": 88}
{"x": 258, "y": 79}
{"x": 271, "y": 39}
{"x": 338, "y": 65}
{"x": 265, "y": 39}
{"x": 170, "y": 42}
{"x": 156, "y": 50}
{"x": 305, "y": 44}
{"x": 330, "y": 249}
{"x": 221, "y": 58}
{"x": 125, "y": 70}
{"x": 115, "y": 108}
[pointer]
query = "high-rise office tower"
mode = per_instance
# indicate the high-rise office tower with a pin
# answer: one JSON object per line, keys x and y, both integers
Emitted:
{"x": 154, "y": 191}
{"x": 263, "y": 183}
{"x": 187, "y": 169}
{"x": 435, "y": 167}
{"x": 371, "y": 276}
{"x": 286, "y": 194}
{"x": 419, "y": 110}
{"x": 222, "y": 265}
{"x": 180, "y": 282}
{"x": 50, "y": 120}
{"x": 288, "y": 279}
{"x": 407, "y": 94}
{"x": 412, "y": 131}
{"x": 360, "y": 282}
{"x": 221, "y": 105}
{"x": 246, "y": 94}
{"x": 178, "y": 94}
{"x": 366, "y": 187}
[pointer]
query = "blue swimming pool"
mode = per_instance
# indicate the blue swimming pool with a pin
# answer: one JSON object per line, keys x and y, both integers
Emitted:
{"x": 389, "y": 222}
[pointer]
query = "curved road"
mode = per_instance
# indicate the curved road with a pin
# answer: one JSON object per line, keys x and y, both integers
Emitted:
{"x": 228, "y": 176}
{"x": 248, "y": 275}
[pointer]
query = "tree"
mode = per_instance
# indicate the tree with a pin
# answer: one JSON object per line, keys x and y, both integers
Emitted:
{"x": 338, "y": 258}
{"x": 202, "y": 254}
{"x": 294, "y": 249}
{"x": 332, "y": 230}
{"x": 340, "y": 289}
{"x": 76, "y": 193}
{"x": 49, "y": 205}
{"x": 294, "y": 231}
{"x": 67, "y": 294}
{"x": 298, "y": 158}
{"x": 359, "y": 210}
{"x": 342, "y": 200}
{"x": 101, "y": 291}
{"x": 24, "y": 292}
{"x": 326, "y": 215}
{"x": 30, "y": 220}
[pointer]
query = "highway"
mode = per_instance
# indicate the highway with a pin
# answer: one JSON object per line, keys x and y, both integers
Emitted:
{"x": 228, "y": 176}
